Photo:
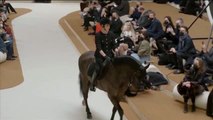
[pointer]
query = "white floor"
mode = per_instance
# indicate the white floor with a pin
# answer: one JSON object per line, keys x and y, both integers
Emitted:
{"x": 50, "y": 90}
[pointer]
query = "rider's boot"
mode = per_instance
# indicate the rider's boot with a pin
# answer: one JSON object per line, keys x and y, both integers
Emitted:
{"x": 92, "y": 86}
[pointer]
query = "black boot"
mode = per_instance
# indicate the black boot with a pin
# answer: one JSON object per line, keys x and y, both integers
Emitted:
{"x": 92, "y": 86}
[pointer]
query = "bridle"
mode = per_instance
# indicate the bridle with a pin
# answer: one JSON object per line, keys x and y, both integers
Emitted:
{"x": 133, "y": 76}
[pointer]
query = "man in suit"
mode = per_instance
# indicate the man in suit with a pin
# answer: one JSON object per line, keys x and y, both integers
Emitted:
{"x": 184, "y": 50}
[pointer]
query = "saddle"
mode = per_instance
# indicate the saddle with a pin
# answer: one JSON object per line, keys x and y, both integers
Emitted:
{"x": 99, "y": 69}
{"x": 91, "y": 69}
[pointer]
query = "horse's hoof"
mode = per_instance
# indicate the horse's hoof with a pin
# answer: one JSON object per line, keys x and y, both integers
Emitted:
{"x": 89, "y": 116}
{"x": 83, "y": 102}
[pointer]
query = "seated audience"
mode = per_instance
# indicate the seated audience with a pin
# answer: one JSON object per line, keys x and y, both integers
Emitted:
{"x": 8, "y": 42}
{"x": 184, "y": 50}
{"x": 143, "y": 21}
{"x": 207, "y": 56}
{"x": 92, "y": 15}
{"x": 116, "y": 24}
{"x": 178, "y": 23}
{"x": 197, "y": 73}
{"x": 83, "y": 5}
{"x": 121, "y": 7}
{"x": 169, "y": 32}
{"x": 143, "y": 50}
{"x": 3, "y": 51}
{"x": 122, "y": 49}
{"x": 9, "y": 7}
{"x": 191, "y": 7}
{"x": 135, "y": 12}
{"x": 129, "y": 32}
{"x": 169, "y": 39}
{"x": 155, "y": 30}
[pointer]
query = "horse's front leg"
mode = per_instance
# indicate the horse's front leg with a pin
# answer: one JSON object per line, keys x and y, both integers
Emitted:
{"x": 113, "y": 113}
{"x": 185, "y": 103}
{"x": 193, "y": 103}
{"x": 116, "y": 107}
{"x": 120, "y": 111}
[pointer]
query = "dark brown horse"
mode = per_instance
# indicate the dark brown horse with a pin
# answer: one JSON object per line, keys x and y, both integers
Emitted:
{"x": 121, "y": 73}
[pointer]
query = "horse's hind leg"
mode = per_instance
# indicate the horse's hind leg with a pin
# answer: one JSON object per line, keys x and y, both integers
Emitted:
{"x": 193, "y": 103}
{"x": 85, "y": 90}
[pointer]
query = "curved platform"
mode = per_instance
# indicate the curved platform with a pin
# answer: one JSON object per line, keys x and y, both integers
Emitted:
{"x": 148, "y": 105}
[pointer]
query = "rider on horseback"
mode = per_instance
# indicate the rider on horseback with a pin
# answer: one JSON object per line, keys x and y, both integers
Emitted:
{"x": 105, "y": 44}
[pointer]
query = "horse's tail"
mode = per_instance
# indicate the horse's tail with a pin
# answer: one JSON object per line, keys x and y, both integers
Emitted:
{"x": 209, "y": 110}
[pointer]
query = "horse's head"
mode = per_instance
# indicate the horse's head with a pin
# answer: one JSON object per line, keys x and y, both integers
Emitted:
{"x": 134, "y": 70}
{"x": 140, "y": 80}
{"x": 145, "y": 78}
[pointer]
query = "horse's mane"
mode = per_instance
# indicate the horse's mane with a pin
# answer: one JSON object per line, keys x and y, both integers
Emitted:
{"x": 127, "y": 60}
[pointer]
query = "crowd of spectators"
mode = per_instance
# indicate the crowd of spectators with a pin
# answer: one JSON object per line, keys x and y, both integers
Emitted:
{"x": 192, "y": 7}
{"x": 6, "y": 35}
{"x": 140, "y": 34}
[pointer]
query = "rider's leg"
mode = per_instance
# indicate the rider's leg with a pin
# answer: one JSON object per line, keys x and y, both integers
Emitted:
{"x": 94, "y": 75}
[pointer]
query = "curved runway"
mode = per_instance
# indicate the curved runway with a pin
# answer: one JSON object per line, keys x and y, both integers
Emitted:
{"x": 50, "y": 90}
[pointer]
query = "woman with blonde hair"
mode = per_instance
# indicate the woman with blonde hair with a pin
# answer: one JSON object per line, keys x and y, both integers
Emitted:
{"x": 129, "y": 32}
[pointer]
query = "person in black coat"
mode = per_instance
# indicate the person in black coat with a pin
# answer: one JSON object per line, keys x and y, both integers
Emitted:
{"x": 92, "y": 15}
{"x": 121, "y": 7}
{"x": 105, "y": 45}
{"x": 116, "y": 24}
{"x": 207, "y": 56}
{"x": 155, "y": 29}
{"x": 169, "y": 37}
{"x": 191, "y": 7}
{"x": 184, "y": 50}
